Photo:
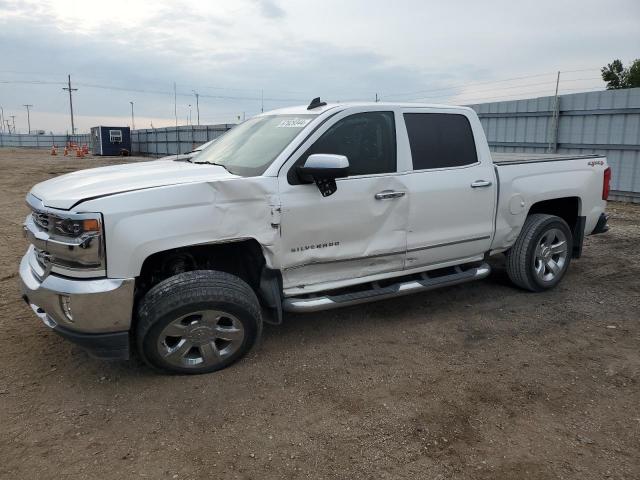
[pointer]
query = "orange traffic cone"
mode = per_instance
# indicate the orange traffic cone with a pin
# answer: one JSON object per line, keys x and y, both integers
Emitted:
{"x": 79, "y": 153}
{"x": 66, "y": 151}
{"x": 53, "y": 150}
{"x": 85, "y": 149}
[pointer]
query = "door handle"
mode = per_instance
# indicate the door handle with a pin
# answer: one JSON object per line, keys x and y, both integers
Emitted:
{"x": 481, "y": 183}
{"x": 388, "y": 194}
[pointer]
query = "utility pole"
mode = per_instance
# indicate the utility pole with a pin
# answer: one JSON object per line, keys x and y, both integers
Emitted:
{"x": 175, "y": 104}
{"x": 133, "y": 123}
{"x": 28, "y": 117}
{"x": 13, "y": 121}
{"x": 377, "y": 97}
{"x": 189, "y": 121}
{"x": 197, "y": 105}
{"x": 1, "y": 119}
{"x": 69, "y": 89}
{"x": 553, "y": 138}
{"x": 175, "y": 114}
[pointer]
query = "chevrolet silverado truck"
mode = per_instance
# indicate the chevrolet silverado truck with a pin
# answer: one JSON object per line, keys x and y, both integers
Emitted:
{"x": 296, "y": 210}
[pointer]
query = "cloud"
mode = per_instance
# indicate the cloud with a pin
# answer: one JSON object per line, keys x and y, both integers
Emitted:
{"x": 270, "y": 9}
{"x": 235, "y": 53}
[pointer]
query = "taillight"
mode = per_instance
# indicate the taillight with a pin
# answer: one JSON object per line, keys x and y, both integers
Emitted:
{"x": 606, "y": 181}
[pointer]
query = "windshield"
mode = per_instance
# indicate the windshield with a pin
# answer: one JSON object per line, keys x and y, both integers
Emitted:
{"x": 203, "y": 146}
{"x": 252, "y": 146}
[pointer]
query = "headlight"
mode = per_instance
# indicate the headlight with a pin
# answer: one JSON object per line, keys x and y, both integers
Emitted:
{"x": 76, "y": 228}
{"x": 68, "y": 243}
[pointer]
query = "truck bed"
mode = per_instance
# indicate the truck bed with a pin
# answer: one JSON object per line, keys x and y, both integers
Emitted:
{"x": 501, "y": 158}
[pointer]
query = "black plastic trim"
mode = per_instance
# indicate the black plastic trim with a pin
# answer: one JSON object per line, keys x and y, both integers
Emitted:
{"x": 271, "y": 294}
{"x": 578, "y": 237}
{"x": 601, "y": 226}
{"x": 507, "y": 163}
{"x": 438, "y": 245}
{"x": 103, "y": 346}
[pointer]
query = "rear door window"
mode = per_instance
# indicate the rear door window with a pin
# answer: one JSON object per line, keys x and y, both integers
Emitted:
{"x": 440, "y": 140}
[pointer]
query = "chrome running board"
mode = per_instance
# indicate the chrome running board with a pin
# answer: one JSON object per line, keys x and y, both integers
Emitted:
{"x": 418, "y": 283}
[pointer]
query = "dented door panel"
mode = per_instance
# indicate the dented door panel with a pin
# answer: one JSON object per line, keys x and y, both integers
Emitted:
{"x": 350, "y": 234}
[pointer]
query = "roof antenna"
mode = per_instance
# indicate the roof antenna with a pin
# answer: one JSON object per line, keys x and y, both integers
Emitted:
{"x": 315, "y": 103}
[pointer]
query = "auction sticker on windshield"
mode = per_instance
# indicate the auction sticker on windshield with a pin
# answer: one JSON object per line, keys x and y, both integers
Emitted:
{"x": 294, "y": 123}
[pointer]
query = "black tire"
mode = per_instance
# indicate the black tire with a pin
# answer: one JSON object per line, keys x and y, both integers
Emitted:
{"x": 185, "y": 296}
{"x": 521, "y": 259}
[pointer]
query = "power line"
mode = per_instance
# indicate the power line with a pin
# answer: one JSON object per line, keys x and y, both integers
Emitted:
{"x": 511, "y": 87}
{"x": 262, "y": 98}
{"x": 470, "y": 100}
{"x": 32, "y": 82}
{"x": 182, "y": 94}
{"x": 462, "y": 85}
{"x": 473, "y": 84}
{"x": 489, "y": 91}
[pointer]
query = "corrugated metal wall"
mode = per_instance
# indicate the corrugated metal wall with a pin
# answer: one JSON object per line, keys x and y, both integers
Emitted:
{"x": 41, "y": 141}
{"x": 153, "y": 142}
{"x": 606, "y": 123}
{"x": 172, "y": 140}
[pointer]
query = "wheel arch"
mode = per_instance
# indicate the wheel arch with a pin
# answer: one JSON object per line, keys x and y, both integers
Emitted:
{"x": 244, "y": 258}
{"x": 567, "y": 208}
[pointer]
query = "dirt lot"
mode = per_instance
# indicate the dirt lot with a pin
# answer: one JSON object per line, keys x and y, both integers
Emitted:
{"x": 476, "y": 381}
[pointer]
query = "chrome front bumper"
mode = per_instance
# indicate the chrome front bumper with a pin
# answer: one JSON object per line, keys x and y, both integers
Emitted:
{"x": 95, "y": 309}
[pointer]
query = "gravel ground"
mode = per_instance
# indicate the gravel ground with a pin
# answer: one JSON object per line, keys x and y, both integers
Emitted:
{"x": 477, "y": 381}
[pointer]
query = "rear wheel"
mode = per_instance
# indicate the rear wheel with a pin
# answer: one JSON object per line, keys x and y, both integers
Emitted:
{"x": 541, "y": 255}
{"x": 198, "y": 322}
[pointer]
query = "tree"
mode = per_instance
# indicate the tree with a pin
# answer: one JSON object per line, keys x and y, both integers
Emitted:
{"x": 617, "y": 76}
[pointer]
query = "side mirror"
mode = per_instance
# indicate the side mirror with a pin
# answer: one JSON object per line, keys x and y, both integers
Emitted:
{"x": 323, "y": 169}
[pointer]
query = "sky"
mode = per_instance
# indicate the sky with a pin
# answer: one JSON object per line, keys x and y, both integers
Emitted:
{"x": 245, "y": 56}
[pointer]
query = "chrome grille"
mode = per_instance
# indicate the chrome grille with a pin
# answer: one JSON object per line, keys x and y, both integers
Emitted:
{"x": 42, "y": 220}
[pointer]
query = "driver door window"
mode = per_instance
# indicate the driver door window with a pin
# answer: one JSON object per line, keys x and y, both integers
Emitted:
{"x": 368, "y": 140}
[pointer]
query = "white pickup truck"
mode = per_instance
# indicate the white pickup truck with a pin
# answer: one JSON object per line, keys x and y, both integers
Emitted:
{"x": 296, "y": 210}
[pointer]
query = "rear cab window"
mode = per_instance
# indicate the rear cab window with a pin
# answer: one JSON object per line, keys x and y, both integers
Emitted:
{"x": 440, "y": 140}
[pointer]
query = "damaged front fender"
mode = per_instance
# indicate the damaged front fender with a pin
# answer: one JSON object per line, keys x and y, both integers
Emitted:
{"x": 139, "y": 224}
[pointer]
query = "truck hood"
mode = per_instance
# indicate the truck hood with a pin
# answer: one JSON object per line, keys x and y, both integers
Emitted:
{"x": 67, "y": 190}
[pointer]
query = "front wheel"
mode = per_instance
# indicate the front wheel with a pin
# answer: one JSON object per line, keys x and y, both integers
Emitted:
{"x": 197, "y": 322}
{"x": 541, "y": 254}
